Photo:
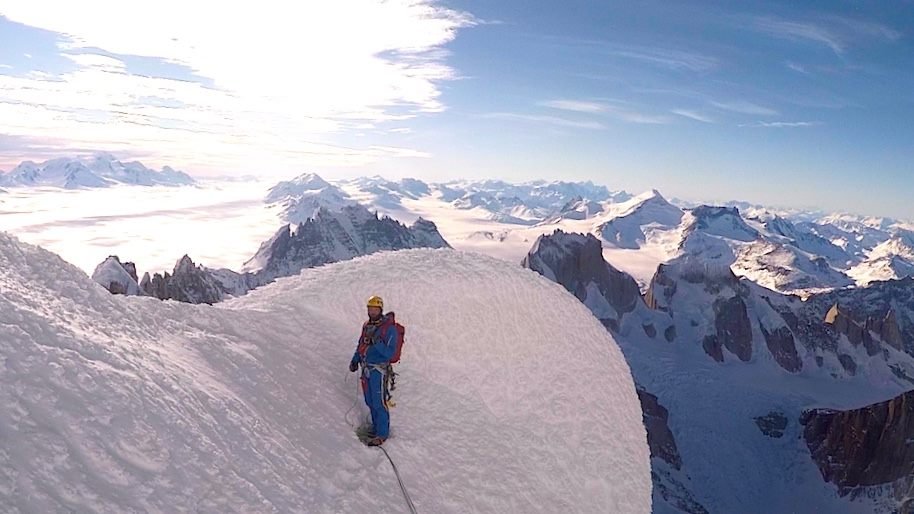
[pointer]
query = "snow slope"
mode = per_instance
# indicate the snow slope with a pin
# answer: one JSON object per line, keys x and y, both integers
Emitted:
{"x": 512, "y": 396}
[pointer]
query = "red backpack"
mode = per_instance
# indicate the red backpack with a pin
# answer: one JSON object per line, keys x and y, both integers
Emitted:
{"x": 401, "y": 334}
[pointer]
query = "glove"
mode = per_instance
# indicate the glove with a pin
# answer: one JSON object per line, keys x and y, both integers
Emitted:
{"x": 353, "y": 366}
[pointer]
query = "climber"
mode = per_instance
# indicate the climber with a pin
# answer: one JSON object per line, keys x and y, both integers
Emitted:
{"x": 377, "y": 346}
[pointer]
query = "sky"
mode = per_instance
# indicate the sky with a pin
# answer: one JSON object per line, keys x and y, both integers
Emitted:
{"x": 796, "y": 104}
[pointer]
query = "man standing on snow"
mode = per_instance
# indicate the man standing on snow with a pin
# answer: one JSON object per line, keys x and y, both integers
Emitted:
{"x": 376, "y": 347}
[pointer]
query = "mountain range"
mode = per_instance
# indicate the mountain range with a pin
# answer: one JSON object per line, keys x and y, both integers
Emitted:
{"x": 799, "y": 252}
{"x": 98, "y": 170}
{"x": 772, "y": 351}
{"x": 327, "y": 237}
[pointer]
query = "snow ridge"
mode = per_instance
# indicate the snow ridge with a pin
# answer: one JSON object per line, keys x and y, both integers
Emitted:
{"x": 117, "y": 403}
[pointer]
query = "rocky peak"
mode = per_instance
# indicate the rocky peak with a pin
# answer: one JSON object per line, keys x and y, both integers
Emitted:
{"x": 576, "y": 262}
{"x": 188, "y": 283}
{"x": 117, "y": 277}
{"x": 332, "y": 236}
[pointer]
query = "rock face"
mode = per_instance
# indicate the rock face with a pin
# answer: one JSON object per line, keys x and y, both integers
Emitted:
{"x": 783, "y": 348}
{"x": 188, "y": 283}
{"x": 659, "y": 437}
{"x": 733, "y": 328}
{"x": 883, "y": 311}
{"x": 670, "y": 484}
{"x": 576, "y": 262}
{"x": 863, "y": 447}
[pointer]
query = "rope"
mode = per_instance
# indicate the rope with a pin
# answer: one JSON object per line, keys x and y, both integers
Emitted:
{"x": 409, "y": 501}
{"x": 355, "y": 403}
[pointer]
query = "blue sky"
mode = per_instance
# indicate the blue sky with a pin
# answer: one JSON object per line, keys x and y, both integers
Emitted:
{"x": 769, "y": 102}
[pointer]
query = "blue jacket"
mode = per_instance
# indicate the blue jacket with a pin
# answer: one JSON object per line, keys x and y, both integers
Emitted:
{"x": 383, "y": 343}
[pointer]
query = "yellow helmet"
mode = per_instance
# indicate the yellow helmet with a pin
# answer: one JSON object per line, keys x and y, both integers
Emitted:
{"x": 376, "y": 301}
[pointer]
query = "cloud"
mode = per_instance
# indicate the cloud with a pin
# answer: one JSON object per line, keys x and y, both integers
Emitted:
{"x": 744, "y": 107}
{"x": 5, "y": 67}
{"x": 606, "y": 109}
{"x": 542, "y": 119}
{"x": 799, "y": 68}
{"x": 666, "y": 57}
{"x": 285, "y": 76}
{"x": 693, "y": 115}
{"x": 576, "y": 105}
{"x": 657, "y": 56}
{"x": 835, "y": 32}
{"x": 800, "y": 31}
{"x": 782, "y": 124}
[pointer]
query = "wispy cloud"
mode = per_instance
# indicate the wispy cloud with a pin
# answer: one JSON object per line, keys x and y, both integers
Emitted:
{"x": 266, "y": 94}
{"x": 782, "y": 124}
{"x": 576, "y": 105}
{"x": 5, "y": 66}
{"x": 796, "y": 31}
{"x": 693, "y": 115}
{"x": 667, "y": 58}
{"x": 624, "y": 112}
{"x": 835, "y": 32}
{"x": 744, "y": 107}
{"x": 544, "y": 119}
{"x": 799, "y": 68}
{"x": 657, "y": 56}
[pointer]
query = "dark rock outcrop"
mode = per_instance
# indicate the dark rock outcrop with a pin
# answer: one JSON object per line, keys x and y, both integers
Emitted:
{"x": 576, "y": 262}
{"x": 783, "y": 348}
{"x": 856, "y": 333}
{"x": 863, "y": 447}
{"x": 670, "y": 486}
{"x": 659, "y": 437}
{"x": 733, "y": 328}
{"x": 772, "y": 424}
{"x": 188, "y": 283}
{"x": 883, "y": 311}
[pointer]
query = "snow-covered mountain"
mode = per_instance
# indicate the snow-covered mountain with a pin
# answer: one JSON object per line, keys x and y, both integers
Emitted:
{"x": 728, "y": 361}
{"x": 513, "y": 204}
{"x": 302, "y": 197}
{"x": 637, "y": 218}
{"x": 332, "y": 236}
{"x": 99, "y": 170}
{"x": 731, "y": 368}
{"x": 127, "y": 404}
{"x": 329, "y": 236}
{"x": 787, "y": 250}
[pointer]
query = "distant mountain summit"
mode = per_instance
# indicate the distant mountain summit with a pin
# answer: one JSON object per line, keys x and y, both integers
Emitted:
{"x": 98, "y": 170}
